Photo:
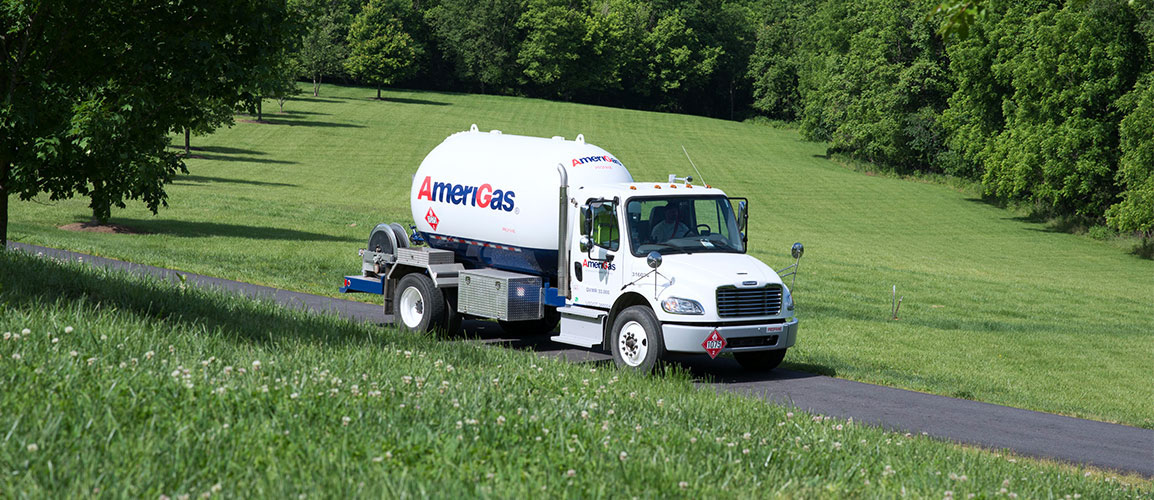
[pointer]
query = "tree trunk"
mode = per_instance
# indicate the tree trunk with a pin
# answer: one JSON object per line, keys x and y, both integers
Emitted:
{"x": 5, "y": 169}
{"x": 258, "y": 110}
{"x": 378, "y": 91}
{"x": 187, "y": 140}
{"x": 316, "y": 85}
{"x": 731, "y": 83}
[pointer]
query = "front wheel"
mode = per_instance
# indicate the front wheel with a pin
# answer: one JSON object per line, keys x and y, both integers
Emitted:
{"x": 760, "y": 361}
{"x": 420, "y": 307}
{"x": 636, "y": 342}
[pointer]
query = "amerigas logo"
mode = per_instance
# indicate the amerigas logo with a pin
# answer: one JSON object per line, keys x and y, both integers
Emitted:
{"x": 591, "y": 159}
{"x": 483, "y": 196}
{"x": 595, "y": 264}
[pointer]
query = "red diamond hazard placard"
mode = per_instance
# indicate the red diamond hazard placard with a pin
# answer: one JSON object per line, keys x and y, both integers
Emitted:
{"x": 431, "y": 218}
{"x": 714, "y": 343}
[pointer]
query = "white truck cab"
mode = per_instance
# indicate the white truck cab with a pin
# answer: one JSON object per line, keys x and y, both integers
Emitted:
{"x": 534, "y": 232}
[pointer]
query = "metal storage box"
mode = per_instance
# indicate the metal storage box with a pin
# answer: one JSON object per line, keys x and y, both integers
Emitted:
{"x": 492, "y": 293}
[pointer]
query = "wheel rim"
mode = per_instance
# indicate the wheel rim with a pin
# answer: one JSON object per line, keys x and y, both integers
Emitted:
{"x": 633, "y": 343}
{"x": 412, "y": 307}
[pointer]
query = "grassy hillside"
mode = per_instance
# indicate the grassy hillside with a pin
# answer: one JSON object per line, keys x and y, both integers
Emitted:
{"x": 123, "y": 387}
{"x": 996, "y": 308}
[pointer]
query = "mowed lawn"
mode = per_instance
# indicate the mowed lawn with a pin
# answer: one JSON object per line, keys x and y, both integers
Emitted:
{"x": 117, "y": 386}
{"x": 996, "y": 308}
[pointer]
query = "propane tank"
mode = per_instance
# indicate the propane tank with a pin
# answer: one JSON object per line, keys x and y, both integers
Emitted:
{"x": 493, "y": 198}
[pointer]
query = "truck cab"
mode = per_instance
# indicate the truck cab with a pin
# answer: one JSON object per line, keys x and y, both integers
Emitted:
{"x": 667, "y": 264}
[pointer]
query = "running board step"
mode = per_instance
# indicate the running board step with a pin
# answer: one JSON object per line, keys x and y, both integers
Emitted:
{"x": 581, "y": 326}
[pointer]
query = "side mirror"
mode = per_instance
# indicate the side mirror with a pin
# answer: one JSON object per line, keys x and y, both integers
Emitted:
{"x": 586, "y": 243}
{"x": 586, "y": 223}
{"x": 742, "y": 215}
{"x": 797, "y": 250}
{"x": 653, "y": 259}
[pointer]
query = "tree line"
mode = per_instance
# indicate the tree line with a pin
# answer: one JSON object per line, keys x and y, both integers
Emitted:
{"x": 1043, "y": 102}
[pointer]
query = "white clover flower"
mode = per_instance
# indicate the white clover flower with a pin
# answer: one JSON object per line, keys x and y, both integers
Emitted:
{"x": 33, "y": 447}
{"x": 25, "y": 332}
{"x": 836, "y": 445}
{"x": 256, "y": 364}
{"x": 55, "y": 340}
{"x": 789, "y": 414}
{"x": 294, "y": 395}
{"x": 149, "y": 355}
{"x": 345, "y": 420}
{"x": 683, "y": 485}
{"x": 16, "y": 355}
{"x": 623, "y": 456}
{"x": 74, "y": 354}
{"x": 500, "y": 420}
{"x": 378, "y": 459}
{"x": 571, "y": 473}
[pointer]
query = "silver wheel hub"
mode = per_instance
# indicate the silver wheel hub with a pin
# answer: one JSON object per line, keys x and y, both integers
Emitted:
{"x": 633, "y": 343}
{"x": 412, "y": 307}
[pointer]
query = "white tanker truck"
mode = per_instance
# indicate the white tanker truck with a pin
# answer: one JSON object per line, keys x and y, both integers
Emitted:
{"x": 535, "y": 231}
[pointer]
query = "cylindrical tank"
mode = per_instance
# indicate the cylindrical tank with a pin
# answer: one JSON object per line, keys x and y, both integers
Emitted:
{"x": 493, "y": 198}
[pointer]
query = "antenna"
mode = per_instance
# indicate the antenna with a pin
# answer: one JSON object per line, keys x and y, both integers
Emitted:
{"x": 699, "y": 176}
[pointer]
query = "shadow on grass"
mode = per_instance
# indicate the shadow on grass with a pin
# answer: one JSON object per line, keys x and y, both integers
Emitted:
{"x": 1145, "y": 249}
{"x": 30, "y": 282}
{"x": 191, "y": 229}
{"x": 405, "y": 100}
{"x": 197, "y": 180}
{"x": 245, "y": 159}
{"x": 308, "y": 123}
{"x": 315, "y": 99}
{"x": 219, "y": 149}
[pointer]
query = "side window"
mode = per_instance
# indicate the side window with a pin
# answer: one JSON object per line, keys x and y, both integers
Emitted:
{"x": 605, "y": 233}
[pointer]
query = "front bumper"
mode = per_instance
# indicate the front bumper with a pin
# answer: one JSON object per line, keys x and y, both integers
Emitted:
{"x": 760, "y": 337}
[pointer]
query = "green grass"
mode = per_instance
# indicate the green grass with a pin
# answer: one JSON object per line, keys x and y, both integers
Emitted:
{"x": 129, "y": 387}
{"x": 997, "y": 308}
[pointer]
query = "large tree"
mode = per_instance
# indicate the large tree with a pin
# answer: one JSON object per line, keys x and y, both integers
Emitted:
{"x": 89, "y": 94}
{"x": 381, "y": 52}
{"x": 323, "y": 45}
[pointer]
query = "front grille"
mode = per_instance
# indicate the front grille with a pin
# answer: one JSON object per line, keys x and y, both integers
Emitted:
{"x": 733, "y": 302}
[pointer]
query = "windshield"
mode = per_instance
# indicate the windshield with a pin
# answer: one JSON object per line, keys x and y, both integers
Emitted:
{"x": 682, "y": 224}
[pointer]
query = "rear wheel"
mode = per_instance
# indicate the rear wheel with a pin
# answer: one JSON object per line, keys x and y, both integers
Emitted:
{"x": 533, "y": 327}
{"x": 760, "y": 361}
{"x": 636, "y": 341}
{"x": 418, "y": 305}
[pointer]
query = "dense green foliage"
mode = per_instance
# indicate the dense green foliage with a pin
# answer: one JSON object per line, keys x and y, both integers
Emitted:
{"x": 1030, "y": 99}
{"x": 112, "y": 385}
{"x": 990, "y": 301}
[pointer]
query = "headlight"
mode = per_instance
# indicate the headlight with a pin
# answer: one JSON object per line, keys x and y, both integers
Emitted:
{"x": 677, "y": 305}
{"x": 788, "y": 300}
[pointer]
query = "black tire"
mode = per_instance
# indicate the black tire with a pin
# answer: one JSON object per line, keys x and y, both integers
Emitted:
{"x": 760, "y": 361}
{"x": 635, "y": 349}
{"x": 533, "y": 327}
{"x": 419, "y": 306}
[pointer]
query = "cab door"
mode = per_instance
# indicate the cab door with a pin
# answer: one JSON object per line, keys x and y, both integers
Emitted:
{"x": 596, "y": 260}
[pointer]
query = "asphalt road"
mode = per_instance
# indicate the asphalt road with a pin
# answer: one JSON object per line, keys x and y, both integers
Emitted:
{"x": 1032, "y": 433}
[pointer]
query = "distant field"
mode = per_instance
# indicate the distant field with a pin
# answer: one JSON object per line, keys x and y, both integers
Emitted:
{"x": 996, "y": 309}
{"x": 117, "y": 386}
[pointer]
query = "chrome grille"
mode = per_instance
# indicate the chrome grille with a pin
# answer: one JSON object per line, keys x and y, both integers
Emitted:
{"x": 733, "y": 302}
